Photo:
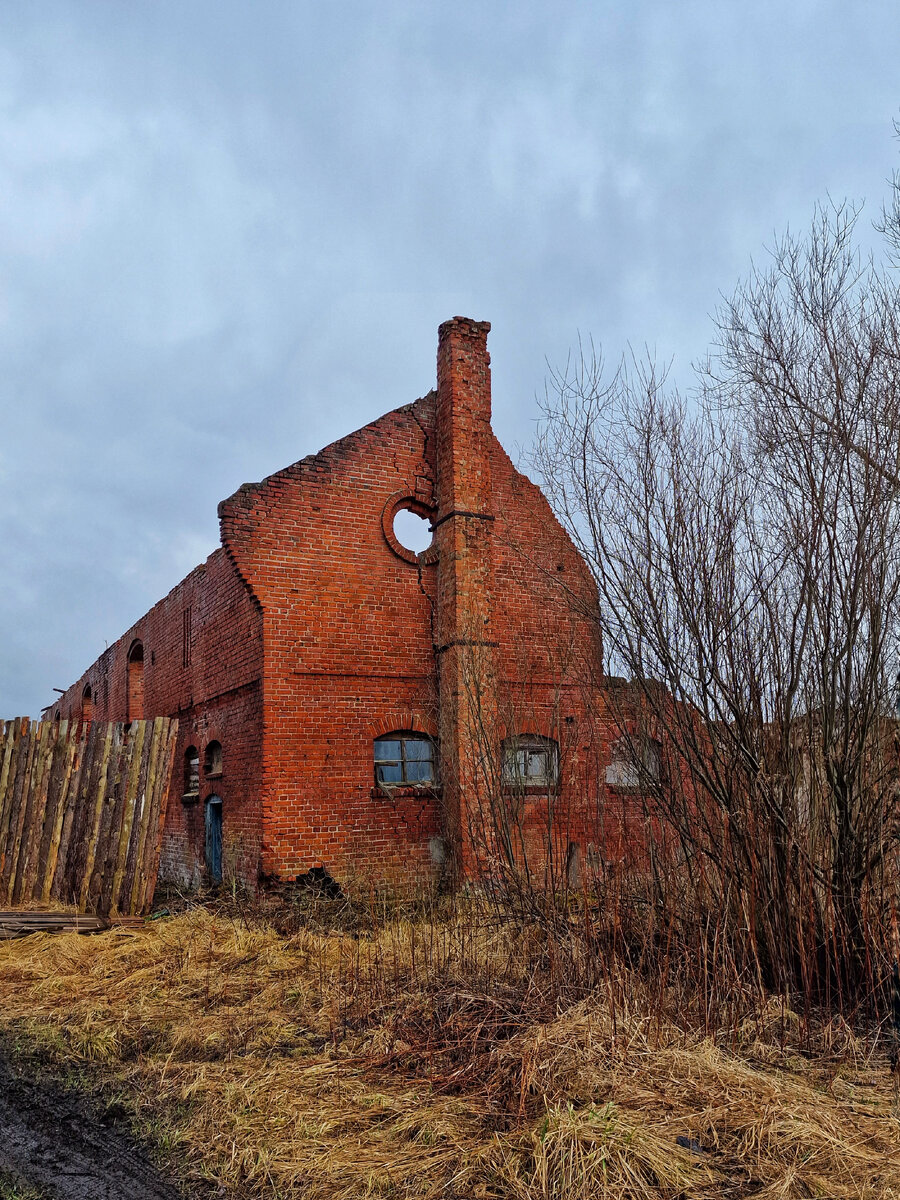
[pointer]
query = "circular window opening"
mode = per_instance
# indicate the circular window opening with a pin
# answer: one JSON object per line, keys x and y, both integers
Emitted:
{"x": 412, "y": 531}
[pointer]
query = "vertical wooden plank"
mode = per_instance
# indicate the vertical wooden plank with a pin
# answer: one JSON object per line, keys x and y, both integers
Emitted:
{"x": 17, "y": 765}
{"x": 120, "y": 833}
{"x": 163, "y": 778}
{"x": 110, "y": 814}
{"x": 142, "y": 823}
{"x": 35, "y": 886}
{"x": 137, "y": 839}
{"x": 60, "y": 888}
{"x": 72, "y": 844}
{"x": 7, "y": 766}
{"x": 37, "y": 813}
{"x": 30, "y": 741}
{"x": 130, "y": 859}
{"x": 50, "y": 851}
{"x": 35, "y": 734}
{"x": 10, "y": 738}
{"x": 24, "y": 821}
{"x": 99, "y": 807}
{"x": 114, "y": 736}
{"x": 83, "y": 829}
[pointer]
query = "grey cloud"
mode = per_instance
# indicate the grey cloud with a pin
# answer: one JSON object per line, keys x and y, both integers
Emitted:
{"x": 228, "y": 233}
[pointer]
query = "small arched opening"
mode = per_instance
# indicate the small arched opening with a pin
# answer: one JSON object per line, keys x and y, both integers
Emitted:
{"x": 87, "y": 704}
{"x": 136, "y": 682}
{"x": 212, "y": 759}
{"x": 191, "y": 772}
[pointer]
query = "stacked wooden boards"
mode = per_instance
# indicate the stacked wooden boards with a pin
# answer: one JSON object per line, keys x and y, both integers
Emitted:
{"x": 17, "y": 922}
{"x": 82, "y": 806}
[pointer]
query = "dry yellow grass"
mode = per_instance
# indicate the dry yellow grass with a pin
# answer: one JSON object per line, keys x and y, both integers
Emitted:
{"x": 426, "y": 1061}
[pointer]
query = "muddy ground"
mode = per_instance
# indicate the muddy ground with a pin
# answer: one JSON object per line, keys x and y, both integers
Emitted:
{"x": 57, "y": 1142}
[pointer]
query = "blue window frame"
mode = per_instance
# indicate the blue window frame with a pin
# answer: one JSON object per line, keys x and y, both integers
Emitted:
{"x": 405, "y": 760}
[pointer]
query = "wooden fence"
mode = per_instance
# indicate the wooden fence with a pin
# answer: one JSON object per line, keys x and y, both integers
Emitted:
{"x": 82, "y": 806}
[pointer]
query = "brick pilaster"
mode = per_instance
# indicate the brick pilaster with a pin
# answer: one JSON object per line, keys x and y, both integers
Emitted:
{"x": 464, "y": 544}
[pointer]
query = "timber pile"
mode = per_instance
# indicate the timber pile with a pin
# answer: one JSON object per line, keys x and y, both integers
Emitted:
{"x": 82, "y": 806}
{"x": 20, "y": 922}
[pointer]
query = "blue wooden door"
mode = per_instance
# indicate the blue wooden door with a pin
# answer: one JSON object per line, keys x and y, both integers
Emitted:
{"x": 214, "y": 839}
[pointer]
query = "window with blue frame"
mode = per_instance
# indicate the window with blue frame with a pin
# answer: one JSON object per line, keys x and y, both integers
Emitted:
{"x": 405, "y": 760}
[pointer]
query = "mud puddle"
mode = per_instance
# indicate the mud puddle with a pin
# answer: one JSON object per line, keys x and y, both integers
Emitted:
{"x": 54, "y": 1141}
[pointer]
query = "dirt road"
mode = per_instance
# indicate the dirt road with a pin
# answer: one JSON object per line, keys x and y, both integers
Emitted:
{"x": 51, "y": 1139}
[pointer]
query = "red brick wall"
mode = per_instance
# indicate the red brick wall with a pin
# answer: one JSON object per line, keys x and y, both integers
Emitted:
{"x": 522, "y": 606}
{"x": 360, "y": 641}
{"x": 348, "y": 637}
{"x": 212, "y": 685}
{"x": 313, "y": 633}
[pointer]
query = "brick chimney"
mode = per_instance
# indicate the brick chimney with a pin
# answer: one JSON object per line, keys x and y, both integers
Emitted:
{"x": 464, "y": 543}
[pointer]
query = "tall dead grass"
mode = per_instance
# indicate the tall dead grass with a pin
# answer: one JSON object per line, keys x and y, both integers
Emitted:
{"x": 450, "y": 1054}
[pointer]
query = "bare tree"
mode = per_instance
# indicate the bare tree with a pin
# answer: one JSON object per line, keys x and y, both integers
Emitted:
{"x": 746, "y": 548}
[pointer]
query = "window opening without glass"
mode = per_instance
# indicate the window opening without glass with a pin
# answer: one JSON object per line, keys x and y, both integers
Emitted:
{"x": 191, "y": 771}
{"x": 135, "y": 693}
{"x": 412, "y": 530}
{"x": 530, "y": 761}
{"x": 404, "y": 758}
{"x": 212, "y": 760}
{"x": 636, "y": 762}
{"x": 213, "y": 839}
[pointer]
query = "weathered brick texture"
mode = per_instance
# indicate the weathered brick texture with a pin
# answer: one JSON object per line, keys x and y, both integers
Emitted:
{"x": 464, "y": 538}
{"x": 212, "y": 686}
{"x": 312, "y": 631}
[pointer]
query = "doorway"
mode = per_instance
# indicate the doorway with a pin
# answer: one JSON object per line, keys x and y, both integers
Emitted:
{"x": 213, "y": 846}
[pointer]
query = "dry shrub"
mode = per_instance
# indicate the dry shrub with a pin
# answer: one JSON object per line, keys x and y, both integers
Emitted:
{"x": 442, "y": 1058}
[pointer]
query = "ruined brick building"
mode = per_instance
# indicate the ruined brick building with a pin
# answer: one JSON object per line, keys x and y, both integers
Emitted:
{"x": 349, "y": 705}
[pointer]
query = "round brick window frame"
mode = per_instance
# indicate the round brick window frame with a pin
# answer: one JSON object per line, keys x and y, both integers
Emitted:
{"x": 398, "y": 502}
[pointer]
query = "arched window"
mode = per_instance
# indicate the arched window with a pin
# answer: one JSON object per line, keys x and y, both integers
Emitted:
{"x": 191, "y": 772}
{"x": 530, "y": 761}
{"x": 212, "y": 759}
{"x": 87, "y": 704}
{"x": 405, "y": 759}
{"x": 136, "y": 682}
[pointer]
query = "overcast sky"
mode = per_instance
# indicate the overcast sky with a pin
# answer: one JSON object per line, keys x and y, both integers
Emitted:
{"x": 229, "y": 231}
